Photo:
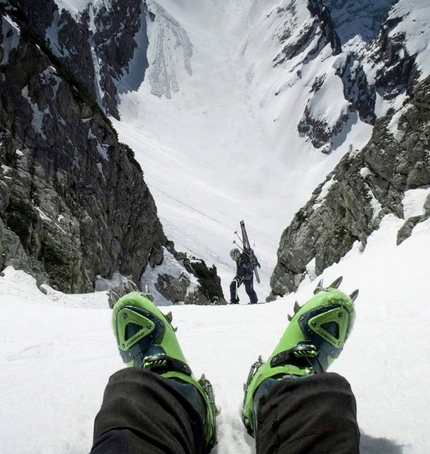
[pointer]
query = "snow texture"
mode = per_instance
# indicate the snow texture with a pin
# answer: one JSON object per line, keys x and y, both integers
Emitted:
{"x": 57, "y": 352}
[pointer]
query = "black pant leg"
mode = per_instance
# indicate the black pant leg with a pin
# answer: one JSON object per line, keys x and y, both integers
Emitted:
{"x": 143, "y": 413}
{"x": 249, "y": 287}
{"x": 313, "y": 415}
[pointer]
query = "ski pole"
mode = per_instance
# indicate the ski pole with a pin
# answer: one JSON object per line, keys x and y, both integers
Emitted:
{"x": 238, "y": 245}
{"x": 238, "y": 237}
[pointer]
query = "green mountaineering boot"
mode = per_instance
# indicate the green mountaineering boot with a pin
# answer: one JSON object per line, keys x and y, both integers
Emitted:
{"x": 313, "y": 339}
{"x": 147, "y": 339}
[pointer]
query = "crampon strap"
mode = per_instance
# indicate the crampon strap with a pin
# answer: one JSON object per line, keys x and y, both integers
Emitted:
{"x": 163, "y": 363}
{"x": 300, "y": 355}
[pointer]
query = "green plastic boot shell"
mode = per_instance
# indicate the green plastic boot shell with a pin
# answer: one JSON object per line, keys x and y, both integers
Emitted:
{"x": 146, "y": 338}
{"x": 313, "y": 339}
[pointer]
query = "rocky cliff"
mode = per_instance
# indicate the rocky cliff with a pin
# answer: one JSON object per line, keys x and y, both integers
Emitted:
{"x": 364, "y": 187}
{"x": 367, "y": 42}
{"x": 73, "y": 201}
{"x": 97, "y": 45}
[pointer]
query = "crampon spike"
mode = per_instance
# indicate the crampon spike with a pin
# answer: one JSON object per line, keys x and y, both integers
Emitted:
{"x": 169, "y": 318}
{"x": 319, "y": 287}
{"x": 354, "y": 295}
{"x": 147, "y": 294}
{"x": 289, "y": 317}
{"x": 336, "y": 283}
{"x": 297, "y": 307}
{"x": 129, "y": 286}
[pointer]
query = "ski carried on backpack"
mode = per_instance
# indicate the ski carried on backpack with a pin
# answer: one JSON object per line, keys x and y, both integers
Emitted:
{"x": 247, "y": 250}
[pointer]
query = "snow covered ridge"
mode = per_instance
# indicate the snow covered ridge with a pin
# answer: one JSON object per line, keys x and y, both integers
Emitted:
{"x": 368, "y": 55}
{"x": 365, "y": 55}
{"x": 391, "y": 175}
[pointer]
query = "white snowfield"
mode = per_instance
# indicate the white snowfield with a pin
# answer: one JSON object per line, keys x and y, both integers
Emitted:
{"x": 57, "y": 352}
{"x": 214, "y": 127}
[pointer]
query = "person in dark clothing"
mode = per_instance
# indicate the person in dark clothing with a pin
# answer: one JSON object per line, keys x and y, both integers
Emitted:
{"x": 291, "y": 404}
{"x": 244, "y": 274}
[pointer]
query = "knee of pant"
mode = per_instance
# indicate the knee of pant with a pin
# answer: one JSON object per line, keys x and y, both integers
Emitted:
{"x": 249, "y": 286}
{"x": 111, "y": 442}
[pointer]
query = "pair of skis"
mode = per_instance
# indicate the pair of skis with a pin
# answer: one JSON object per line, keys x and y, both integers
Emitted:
{"x": 245, "y": 246}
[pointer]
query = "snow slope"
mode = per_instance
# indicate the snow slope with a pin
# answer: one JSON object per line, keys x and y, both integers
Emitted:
{"x": 217, "y": 146}
{"x": 57, "y": 352}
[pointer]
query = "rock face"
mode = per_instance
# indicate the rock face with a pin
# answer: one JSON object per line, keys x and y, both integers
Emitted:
{"x": 325, "y": 22}
{"x": 177, "y": 289}
{"x": 97, "y": 45}
{"x": 363, "y": 188}
{"x": 73, "y": 195}
{"x": 73, "y": 201}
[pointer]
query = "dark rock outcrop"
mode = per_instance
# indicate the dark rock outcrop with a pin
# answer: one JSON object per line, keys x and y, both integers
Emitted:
{"x": 108, "y": 36}
{"x": 318, "y": 131}
{"x": 328, "y": 32}
{"x": 209, "y": 289}
{"x": 356, "y": 88}
{"x": 115, "y": 43}
{"x": 321, "y": 26}
{"x": 362, "y": 18}
{"x": 190, "y": 281}
{"x": 398, "y": 72}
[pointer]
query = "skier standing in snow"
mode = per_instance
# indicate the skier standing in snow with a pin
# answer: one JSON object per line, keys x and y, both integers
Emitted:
{"x": 291, "y": 405}
{"x": 244, "y": 274}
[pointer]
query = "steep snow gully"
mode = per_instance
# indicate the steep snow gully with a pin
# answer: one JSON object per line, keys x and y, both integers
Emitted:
{"x": 216, "y": 117}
